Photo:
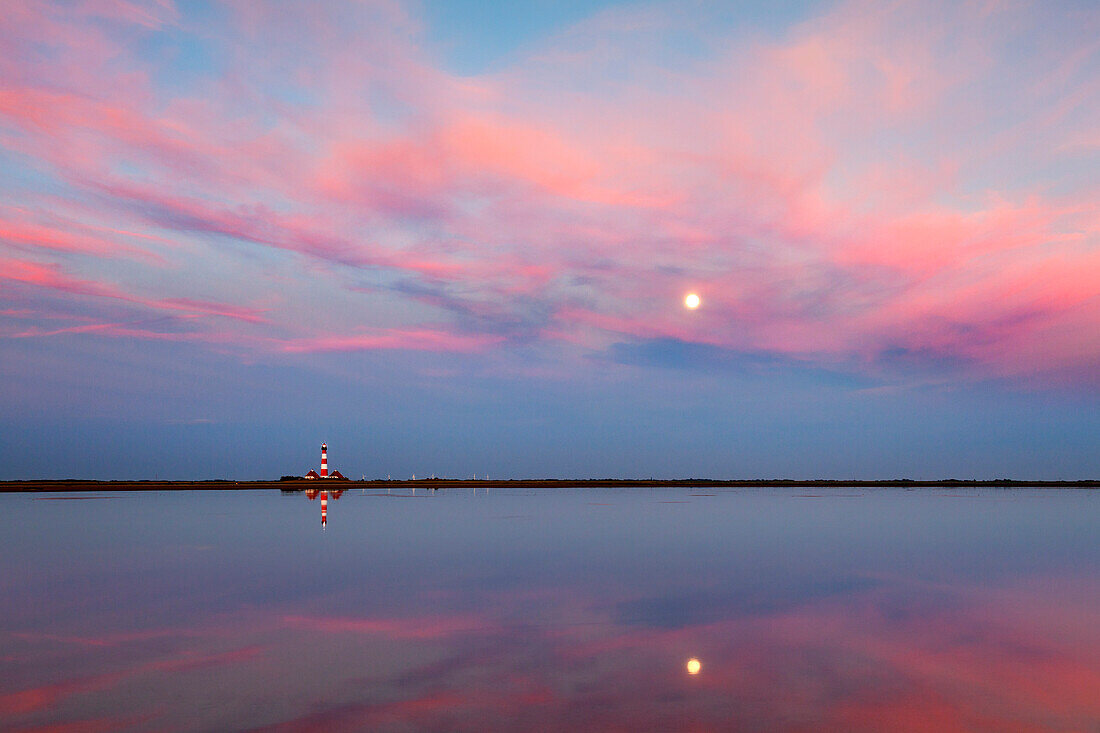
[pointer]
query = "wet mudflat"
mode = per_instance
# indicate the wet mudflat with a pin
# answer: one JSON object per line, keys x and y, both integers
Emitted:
{"x": 537, "y": 609}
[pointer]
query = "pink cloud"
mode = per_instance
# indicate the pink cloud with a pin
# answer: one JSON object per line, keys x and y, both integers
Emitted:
{"x": 862, "y": 183}
{"x": 398, "y": 628}
{"x": 19, "y": 233}
{"x": 411, "y": 340}
{"x": 51, "y": 277}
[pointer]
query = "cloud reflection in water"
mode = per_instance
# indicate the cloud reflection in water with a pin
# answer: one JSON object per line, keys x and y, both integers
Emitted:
{"x": 444, "y": 630}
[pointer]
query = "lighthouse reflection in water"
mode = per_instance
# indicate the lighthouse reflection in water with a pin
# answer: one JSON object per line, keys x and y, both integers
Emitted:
{"x": 324, "y": 494}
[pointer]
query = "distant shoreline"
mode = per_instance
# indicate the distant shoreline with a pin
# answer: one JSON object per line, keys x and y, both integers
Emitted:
{"x": 76, "y": 485}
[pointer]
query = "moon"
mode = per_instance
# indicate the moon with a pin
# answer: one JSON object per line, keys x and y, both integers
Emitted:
{"x": 694, "y": 665}
{"x": 691, "y": 301}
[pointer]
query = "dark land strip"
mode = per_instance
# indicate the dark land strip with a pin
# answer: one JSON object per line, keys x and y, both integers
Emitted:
{"x": 302, "y": 484}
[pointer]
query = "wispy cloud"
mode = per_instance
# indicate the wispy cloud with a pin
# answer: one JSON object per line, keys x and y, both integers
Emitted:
{"x": 878, "y": 179}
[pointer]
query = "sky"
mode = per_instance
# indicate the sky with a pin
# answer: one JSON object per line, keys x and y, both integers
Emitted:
{"x": 454, "y": 238}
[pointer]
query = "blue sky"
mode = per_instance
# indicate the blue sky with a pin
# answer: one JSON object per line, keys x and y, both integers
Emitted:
{"x": 456, "y": 237}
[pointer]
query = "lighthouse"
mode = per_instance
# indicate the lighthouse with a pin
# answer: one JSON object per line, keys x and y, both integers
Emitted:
{"x": 335, "y": 475}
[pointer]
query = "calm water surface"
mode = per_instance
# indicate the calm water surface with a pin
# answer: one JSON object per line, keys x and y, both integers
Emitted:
{"x": 552, "y": 609}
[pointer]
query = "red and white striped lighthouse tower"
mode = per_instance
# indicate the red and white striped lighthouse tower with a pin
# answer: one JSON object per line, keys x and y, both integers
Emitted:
{"x": 324, "y": 460}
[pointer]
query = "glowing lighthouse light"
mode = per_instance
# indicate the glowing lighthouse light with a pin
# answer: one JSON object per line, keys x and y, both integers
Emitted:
{"x": 691, "y": 301}
{"x": 324, "y": 460}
